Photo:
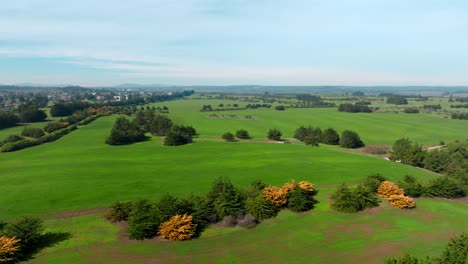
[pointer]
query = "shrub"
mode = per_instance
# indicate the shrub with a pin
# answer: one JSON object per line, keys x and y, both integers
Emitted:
{"x": 125, "y": 132}
{"x": 305, "y": 185}
{"x": 387, "y": 189}
{"x": 54, "y": 126}
{"x": 401, "y": 201}
{"x": 178, "y": 228}
{"x": 277, "y": 196}
{"x": 32, "y": 132}
{"x": 309, "y": 135}
{"x": 344, "y": 200}
{"x": 373, "y": 182}
{"x": 261, "y": 208}
{"x": 177, "y": 138}
{"x": 242, "y": 134}
{"x": 28, "y": 230}
{"x": 224, "y": 199}
{"x": 141, "y": 221}
{"x": 119, "y": 212}
{"x": 228, "y": 136}
{"x": 447, "y": 187}
{"x": 189, "y": 131}
{"x": 274, "y": 134}
{"x": 9, "y": 246}
{"x": 21, "y": 144}
{"x": 364, "y": 198}
{"x": 280, "y": 107}
{"x": 300, "y": 200}
{"x": 354, "y": 108}
{"x": 11, "y": 139}
{"x": 330, "y": 137}
{"x": 407, "y": 152}
{"x": 350, "y": 139}
{"x": 411, "y": 186}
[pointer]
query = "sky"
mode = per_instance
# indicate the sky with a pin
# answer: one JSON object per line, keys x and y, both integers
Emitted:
{"x": 234, "y": 42}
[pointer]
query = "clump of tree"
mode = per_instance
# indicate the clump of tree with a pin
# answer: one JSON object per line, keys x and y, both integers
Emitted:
{"x": 297, "y": 197}
{"x": 330, "y": 137}
{"x": 8, "y": 119}
{"x": 242, "y": 134}
{"x": 119, "y": 212}
{"x": 66, "y": 109}
{"x": 351, "y": 200}
{"x": 274, "y": 134}
{"x": 456, "y": 252}
{"x": 21, "y": 238}
{"x": 411, "y": 110}
{"x": 280, "y": 108}
{"x": 350, "y": 139}
{"x": 31, "y": 114}
{"x": 228, "y": 136}
{"x": 354, "y": 108}
{"x": 32, "y": 132}
{"x": 125, "y": 132}
{"x": 54, "y": 126}
{"x": 309, "y": 135}
{"x": 396, "y": 99}
{"x": 179, "y": 135}
{"x": 462, "y": 116}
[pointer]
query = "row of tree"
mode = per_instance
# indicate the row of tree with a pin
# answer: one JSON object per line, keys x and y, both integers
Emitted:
{"x": 314, "y": 135}
{"x": 184, "y": 218}
{"x": 354, "y": 108}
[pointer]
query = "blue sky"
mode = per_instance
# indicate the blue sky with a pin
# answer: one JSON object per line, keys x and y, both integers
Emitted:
{"x": 224, "y": 42}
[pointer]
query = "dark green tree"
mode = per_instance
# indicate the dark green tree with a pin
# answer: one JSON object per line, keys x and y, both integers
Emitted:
{"x": 330, "y": 137}
{"x": 242, "y": 134}
{"x": 274, "y": 134}
{"x": 350, "y": 139}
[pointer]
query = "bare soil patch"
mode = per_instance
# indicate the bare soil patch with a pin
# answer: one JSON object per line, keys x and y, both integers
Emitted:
{"x": 75, "y": 213}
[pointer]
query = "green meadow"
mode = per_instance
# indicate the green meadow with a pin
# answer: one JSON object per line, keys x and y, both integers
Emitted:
{"x": 80, "y": 172}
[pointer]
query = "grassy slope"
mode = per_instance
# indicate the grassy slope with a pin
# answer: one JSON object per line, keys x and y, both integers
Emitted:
{"x": 18, "y": 129}
{"x": 83, "y": 172}
{"x": 374, "y": 128}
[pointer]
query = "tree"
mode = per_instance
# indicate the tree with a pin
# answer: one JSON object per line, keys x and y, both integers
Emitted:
{"x": 178, "y": 228}
{"x": 261, "y": 208}
{"x": 372, "y": 182}
{"x": 300, "y": 200}
{"x": 456, "y": 251}
{"x": 274, "y": 134}
{"x": 160, "y": 125}
{"x": 280, "y": 107}
{"x": 224, "y": 199}
{"x": 350, "y": 139}
{"x": 141, "y": 221}
{"x": 125, "y": 132}
{"x": 8, "y": 119}
{"x": 364, "y": 197}
{"x": 28, "y": 230}
{"x": 177, "y": 138}
{"x": 32, "y": 114}
{"x": 9, "y": 246}
{"x": 119, "y": 212}
{"x": 406, "y": 152}
{"x": 447, "y": 187}
{"x": 242, "y": 134}
{"x": 330, "y": 137}
{"x": 32, "y": 132}
{"x": 344, "y": 200}
{"x": 411, "y": 186}
{"x": 228, "y": 136}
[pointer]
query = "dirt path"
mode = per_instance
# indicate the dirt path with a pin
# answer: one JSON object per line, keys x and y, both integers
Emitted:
{"x": 75, "y": 213}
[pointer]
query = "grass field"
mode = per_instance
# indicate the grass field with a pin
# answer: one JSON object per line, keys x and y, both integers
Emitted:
{"x": 80, "y": 172}
{"x": 374, "y": 128}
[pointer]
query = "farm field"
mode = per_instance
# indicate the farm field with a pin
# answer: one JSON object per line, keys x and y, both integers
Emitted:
{"x": 83, "y": 176}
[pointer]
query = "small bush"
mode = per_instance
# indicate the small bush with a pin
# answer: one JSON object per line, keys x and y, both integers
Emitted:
{"x": 274, "y": 134}
{"x": 300, "y": 200}
{"x": 277, "y": 196}
{"x": 447, "y": 187}
{"x": 372, "y": 182}
{"x": 54, "y": 126}
{"x": 119, "y": 212}
{"x": 350, "y": 139}
{"x": 330, "y": 137}
{"x": 411, "y": 186}
{"x": 228, "y": 136}
{"x": 387, "y": 189}
{"x": 178, "y": 228}
{"x": 174, "y": 138}
{"x": 32, "y": 132}
{"x": 261, "y": 208}
{"x": 401, "y": 201}
{"x": 141, "y": 221}
{"x": 28, "y": 230}
{"x": 242, "y": 134}
{"x": 344, "y": 200}
{"x": 280, "y": 107}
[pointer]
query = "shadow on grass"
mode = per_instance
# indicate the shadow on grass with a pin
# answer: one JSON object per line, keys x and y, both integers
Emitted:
{"x": 48, "y": 239}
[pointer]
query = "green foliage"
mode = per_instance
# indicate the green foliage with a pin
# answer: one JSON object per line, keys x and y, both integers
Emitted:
{"x": 228, "y": 136}
{"x": 54, "y": 126}
{"x": 119, "y": 211}
{"x": 261, "y": 208}
{"x": 330, "y": 137}
{"x": 224, "y": 199}
{"x": 309, "y": 135}
{"x": 160, "y": 125}
{"x": 372, "y": 182}
{"x": 350, "y": 200}
{"x": 397, "y": 99}
{"x": 176, "y": 138}
{"x": 411, "y": 186}
{"x": 8, "y": 119}
{"x": 188, "y": 131}
{"x": 280, "y": 107}
{"x": 274, "y": 134}
{"x": 242, "y": 134}
{"x": 125, "y": 132}
{"x": 350, "y": 139}
{"x": 406, "y": 152}
{"x": 364, "y": 198}
{"x": 28, "y": 229}
{"x": 32, "y": 114}
{"x": 447, "y": 187}
{"x": 405, "y": 259}
{"x": 300, "y": 200}
{"x": 33, "y": 132}
{"x": 354, "y": 108}
{"x": 141, "y": 221}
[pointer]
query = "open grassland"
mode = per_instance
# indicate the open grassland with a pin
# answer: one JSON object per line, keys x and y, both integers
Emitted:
{"x": 374, "y": 128}
{"x": 80, "y": 171}
{"x": 318, "y": 236}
